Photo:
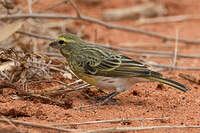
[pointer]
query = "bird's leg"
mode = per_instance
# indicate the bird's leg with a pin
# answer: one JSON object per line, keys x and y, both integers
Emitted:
{"x": 107, "y": 98}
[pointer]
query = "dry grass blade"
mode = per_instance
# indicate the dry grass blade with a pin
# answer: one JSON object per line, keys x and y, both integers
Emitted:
{"x": 10, "y": 29}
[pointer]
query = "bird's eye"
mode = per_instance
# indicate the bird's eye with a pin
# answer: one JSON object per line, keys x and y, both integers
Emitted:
{"x": 60, "y": 41}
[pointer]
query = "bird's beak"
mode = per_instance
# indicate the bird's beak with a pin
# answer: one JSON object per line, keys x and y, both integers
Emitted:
{"x": 54, "y": 44}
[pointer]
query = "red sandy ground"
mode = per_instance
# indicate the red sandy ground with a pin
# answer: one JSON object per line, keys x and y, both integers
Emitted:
{"x": 145, "y": 100}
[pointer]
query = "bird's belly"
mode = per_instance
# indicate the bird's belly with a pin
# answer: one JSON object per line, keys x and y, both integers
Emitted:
{"x": 112, "y": 82}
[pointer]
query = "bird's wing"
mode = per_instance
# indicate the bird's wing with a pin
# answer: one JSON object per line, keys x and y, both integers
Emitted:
{"x": 114, "y": 64}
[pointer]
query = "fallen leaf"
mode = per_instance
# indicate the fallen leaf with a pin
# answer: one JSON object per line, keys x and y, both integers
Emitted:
{"x": 9, "y": 29}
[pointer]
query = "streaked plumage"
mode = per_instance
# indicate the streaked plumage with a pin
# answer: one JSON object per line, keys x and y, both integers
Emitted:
{"x": 106, "y": 68}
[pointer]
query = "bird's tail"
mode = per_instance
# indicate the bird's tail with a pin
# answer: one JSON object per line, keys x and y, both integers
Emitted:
{"x": 170, "y": 83}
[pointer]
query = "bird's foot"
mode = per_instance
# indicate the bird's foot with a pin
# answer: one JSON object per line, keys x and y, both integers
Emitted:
{"x": 101, "y": 97}
{"x": 106, "y": 99}
{"x": 104, "y": 103}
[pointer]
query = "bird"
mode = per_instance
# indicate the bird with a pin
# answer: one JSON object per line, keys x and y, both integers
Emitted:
{"x": 106, "y": 68}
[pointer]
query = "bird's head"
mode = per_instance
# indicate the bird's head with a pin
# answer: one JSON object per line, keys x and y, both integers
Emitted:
{"x": 66, "y": 43}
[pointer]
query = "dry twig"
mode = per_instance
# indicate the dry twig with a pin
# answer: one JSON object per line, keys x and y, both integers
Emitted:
{"x": 39, "y": 125}
{"x": 97, "y": 21}
{"x": 11, "y": 123}
{"x": 106, "y": 121}
{"x": 147, "y": 9}
{"x": 34, "y": 35}
{"x": 97, "y": 130}
{"x": 56, "y": 102}
{"x": 62, "y": 90}
{"x": 120, "y": 129}
{"x": 75, "y": 8}
{"x": 167, "y": 19}
{"x": 190, "y": 78}
{"x": 53, "y": 6}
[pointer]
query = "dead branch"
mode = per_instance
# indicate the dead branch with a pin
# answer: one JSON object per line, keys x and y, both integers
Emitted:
{"x": 150, "y": 52}
{"x": 97, "y": 21}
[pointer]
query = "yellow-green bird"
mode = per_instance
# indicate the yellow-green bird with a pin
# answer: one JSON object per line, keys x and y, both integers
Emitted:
{"x": 105, "y": 68}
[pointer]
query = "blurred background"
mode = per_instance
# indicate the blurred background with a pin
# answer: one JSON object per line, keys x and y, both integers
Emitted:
{"x": 163, "y": 34}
